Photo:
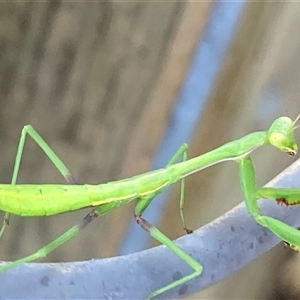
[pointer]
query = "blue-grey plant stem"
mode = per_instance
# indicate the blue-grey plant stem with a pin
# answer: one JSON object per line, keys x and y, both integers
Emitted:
{"x": 222, "y": 246}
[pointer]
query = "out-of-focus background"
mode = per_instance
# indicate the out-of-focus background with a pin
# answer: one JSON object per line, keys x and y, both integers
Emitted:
{"x": 116, "y": 87}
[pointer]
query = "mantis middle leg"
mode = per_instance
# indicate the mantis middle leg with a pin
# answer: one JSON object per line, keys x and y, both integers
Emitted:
{"x": 142, "y": 204}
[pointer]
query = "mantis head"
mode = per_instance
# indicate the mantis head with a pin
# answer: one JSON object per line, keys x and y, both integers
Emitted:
{"x": 281, "y": 135}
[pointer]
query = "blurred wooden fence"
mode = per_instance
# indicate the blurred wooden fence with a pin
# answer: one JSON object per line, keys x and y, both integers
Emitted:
{"x": 99, "y": 82}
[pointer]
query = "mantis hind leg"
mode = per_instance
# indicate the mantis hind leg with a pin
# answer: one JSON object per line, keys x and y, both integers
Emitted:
{"x": 28, "y": 129}
{"x": 44, "y": 251}
{"x": 61, "y": 167}
{"x": 68, "y": 176}
{"x": 285, "y": 232}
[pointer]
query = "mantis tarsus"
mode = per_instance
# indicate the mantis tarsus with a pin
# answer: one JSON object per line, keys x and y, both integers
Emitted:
{"x": 40, "y": 200}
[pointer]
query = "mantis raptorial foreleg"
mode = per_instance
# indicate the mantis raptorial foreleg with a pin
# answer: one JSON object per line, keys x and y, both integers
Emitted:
{"x": 48, "y": 151}
{"x": 286, "y": 196}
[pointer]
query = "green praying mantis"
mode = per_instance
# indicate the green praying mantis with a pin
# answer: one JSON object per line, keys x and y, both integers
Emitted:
{"x": 49, "y": 199}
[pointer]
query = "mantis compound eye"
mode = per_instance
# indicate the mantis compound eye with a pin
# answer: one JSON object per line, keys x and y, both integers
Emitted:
{"x": 281, "y": 135}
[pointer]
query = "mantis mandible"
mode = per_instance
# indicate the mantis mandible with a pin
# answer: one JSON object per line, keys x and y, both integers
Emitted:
{"x": 48, "y": 199}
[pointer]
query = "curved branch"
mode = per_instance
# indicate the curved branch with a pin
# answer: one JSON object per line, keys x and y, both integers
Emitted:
{"x": 223, "y": 246}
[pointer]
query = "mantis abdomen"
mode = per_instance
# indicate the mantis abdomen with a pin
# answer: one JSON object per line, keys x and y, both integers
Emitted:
{"x": 50, "y": 199}
{"x": 41, "y": 200}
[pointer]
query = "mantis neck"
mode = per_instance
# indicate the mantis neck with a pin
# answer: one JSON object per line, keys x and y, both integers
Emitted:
{"x": 229, "y": 151}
